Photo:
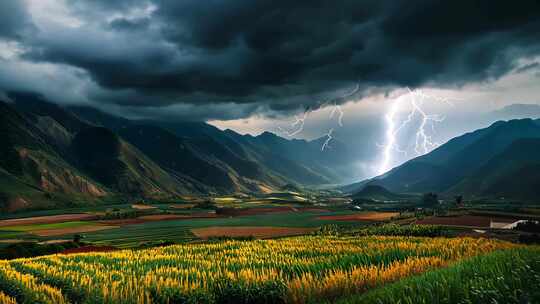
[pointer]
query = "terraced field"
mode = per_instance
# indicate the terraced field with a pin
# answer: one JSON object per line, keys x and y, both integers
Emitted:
{"x": 292, "y": 270}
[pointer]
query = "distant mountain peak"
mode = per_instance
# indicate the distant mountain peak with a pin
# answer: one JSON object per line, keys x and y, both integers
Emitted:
{"x": 267, "y": 134}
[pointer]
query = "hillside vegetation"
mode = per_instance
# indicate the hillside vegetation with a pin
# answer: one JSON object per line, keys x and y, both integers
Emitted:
{"x": 480, "y": 164}
{"x": 58, "y": 157}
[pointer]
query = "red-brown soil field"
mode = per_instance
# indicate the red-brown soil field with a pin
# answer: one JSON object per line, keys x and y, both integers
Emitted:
{"x": 258, "y": 232}
{"x": 370, "y": 216}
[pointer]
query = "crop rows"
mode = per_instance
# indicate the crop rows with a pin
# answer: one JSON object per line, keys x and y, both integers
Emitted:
{"x": 510, "y": 276}
{"x": 293, "y": 270}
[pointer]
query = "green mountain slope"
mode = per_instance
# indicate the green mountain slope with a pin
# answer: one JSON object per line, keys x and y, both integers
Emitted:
{"x": 513, "y": 173}
{"x": 483, "y": 163}
{"x": 54, "y": 158}
{"x": 30, "y": 163}
{"x": 179, "y": 156}
{"x": 83, "y": 154}
{"x": 266, "y": 159}
{"x": 119, "y": 166}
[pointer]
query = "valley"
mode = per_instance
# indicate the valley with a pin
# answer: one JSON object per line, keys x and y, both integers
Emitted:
{"x": 269, "y": 152}
{"x": 82, "y": 187}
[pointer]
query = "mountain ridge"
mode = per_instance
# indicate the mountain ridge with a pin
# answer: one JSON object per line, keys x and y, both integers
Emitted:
{"x": 457, "y": 166}
{"x": 66, "y": 152}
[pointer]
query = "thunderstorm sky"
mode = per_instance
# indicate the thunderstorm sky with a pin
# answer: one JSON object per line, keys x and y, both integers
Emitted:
{"x": 251, "y": 65}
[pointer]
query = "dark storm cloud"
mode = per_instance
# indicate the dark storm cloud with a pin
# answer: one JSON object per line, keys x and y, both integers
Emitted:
{"x": 528, "y": 67}
{"x": 285, "y": 55}
{"x": 14, "y": 20}
{"x": 123, "y": 24}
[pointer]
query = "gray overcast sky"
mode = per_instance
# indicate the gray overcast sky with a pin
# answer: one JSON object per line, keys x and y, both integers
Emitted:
{"x": 252, "y": 64}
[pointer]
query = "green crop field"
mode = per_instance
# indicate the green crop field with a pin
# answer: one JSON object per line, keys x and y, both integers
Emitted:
{"x": 511, "y": 276}
{"x": 179, "y": 230}
{"x": 135, "y": 235}
{"x": 33, "y": 227}
{"x": 306, "y": 269}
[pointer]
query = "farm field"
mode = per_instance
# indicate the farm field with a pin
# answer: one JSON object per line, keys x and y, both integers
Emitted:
{"x": 364, "y": 216}
{"x": 46, "y": 219}
{"x": 134, "y": 225}
{"x": 255, "y": 231}
{"x": 510, "y": 276}
{"x": 291, "y": 270}
{"x": 466, "y": 221}
{"x": 180, "y": 230}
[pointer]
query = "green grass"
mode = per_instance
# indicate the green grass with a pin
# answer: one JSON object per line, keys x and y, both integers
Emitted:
{"x": 511, "y": 276}
{"x": 10, "y": 234}
{"x": 34, "y": 227}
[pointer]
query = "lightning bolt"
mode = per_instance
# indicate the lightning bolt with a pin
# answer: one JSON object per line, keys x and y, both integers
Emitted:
{"x": 390, "y": 137}
{"x": 297, "y": 126}
{"x": 423, "y": 141}
{"x": 328, "y": 139}
{"x": 337, "y": 108}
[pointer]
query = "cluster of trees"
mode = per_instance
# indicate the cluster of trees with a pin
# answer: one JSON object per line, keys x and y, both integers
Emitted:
{"x": 431, "y": 199}
{"x": 33, "y": 249}
{"x": 529, "y": 226}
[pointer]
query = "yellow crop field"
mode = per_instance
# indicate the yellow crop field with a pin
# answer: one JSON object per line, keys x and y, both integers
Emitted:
{"x": 291, "y": 270}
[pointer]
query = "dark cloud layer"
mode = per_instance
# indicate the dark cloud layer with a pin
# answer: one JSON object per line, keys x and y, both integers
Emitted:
{"x": 280, "y": 55}
{"x": 14, "y": 20}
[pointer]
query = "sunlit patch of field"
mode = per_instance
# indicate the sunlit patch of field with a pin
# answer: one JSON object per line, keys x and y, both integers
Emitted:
{"x": 143, "y": 207}
{"x": 265, "y": 189}
{"x": 292, "y": 198}
{"x": 227, "y": 200}
{"x": 291, "y": 270}
{"x": 182, "y": 206}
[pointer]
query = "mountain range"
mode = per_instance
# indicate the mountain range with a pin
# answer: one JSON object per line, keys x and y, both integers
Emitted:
{"x": 53, "y": 155}
{"x": 500, "y": 161}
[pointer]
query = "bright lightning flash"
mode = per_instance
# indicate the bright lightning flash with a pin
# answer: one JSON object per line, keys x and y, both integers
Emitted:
{"x": 390, "y": 137}
{"x": 328, "y": 139}
{"x": 297, "y": 126}
{"x": 423, "y": 142}
{"x": 337, "y": 108}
